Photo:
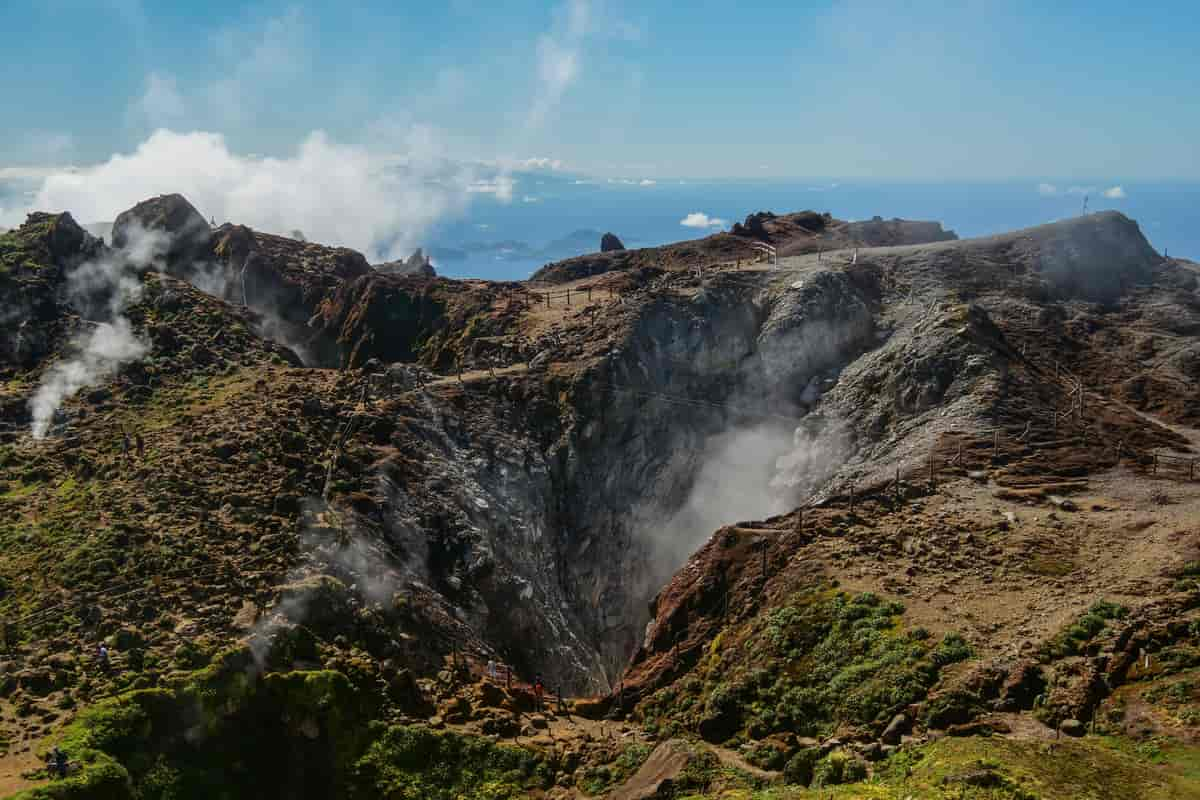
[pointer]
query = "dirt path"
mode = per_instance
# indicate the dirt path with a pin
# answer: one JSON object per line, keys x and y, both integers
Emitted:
{"x": 11, "y": 768}
{"x": 1008, "y": 574}
{"x": 733, "y": 759}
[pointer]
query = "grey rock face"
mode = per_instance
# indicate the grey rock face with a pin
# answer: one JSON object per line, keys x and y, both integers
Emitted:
{"x": 610, "y": 242}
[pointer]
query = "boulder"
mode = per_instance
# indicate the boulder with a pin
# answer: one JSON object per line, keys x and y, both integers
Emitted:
{"x": 416, "y": 264}
{"x": 1073, "y": 727}
{"x": 895, "y": 730}
{"x": 609, "y": 242}
{"x": 188, "y": 235}
{"x": 754, "y": 226}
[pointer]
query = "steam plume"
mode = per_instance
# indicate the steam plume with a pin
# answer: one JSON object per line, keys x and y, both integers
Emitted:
{"x": 101, "y": 289}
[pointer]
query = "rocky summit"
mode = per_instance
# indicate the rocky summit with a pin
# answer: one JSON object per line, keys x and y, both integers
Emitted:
{"x": 810, "y": 508}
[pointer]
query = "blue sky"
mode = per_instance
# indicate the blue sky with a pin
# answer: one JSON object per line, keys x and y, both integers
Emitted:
{"x": 1022, "y": 90}
{"x": 916, "y": 90}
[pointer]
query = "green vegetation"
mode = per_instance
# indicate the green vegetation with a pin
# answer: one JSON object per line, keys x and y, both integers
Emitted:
{"x": 222, "y": 732}
{"x": 1071, "y": 641}
{"x": 1005, "y": 769}
{"x": 600, "y": 779}
{"x": 414, "y": 763}
{"x": 823, "y": 660}
{"x": 26, "y": 248}
{"x": 226, "y": 732}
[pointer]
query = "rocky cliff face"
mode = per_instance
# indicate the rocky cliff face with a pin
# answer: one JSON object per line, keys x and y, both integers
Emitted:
{"x": 493, "y": 473}
{"x": 416, "y": 264}
{"x": 35, "y": 260}
{"x": 610, "y": 242}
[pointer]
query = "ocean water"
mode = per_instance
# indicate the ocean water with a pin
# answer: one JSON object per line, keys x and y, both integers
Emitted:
{"x": 551, "y": 218}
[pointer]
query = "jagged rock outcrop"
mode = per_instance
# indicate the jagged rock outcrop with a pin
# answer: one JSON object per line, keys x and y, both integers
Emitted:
{"x": 754, "y": 226}
{"x": 376, "y": 316}
{"x": 186, "y": 235}
{"x": 416, "y": 264}
{"x": 609, "y": 242}
{"x": 35, "y": 260}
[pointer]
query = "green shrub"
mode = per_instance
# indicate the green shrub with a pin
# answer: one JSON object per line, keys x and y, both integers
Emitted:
{"x": 412, "y": 762}
{"x": 838, "y": 767}
{"x": 800, "y": 767}
{"x": 822, "y": 660}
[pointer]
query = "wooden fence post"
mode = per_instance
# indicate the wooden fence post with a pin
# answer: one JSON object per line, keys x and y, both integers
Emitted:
{"x": 547, "y": 299}
{"x": 995, "y": 444}
{"x": 589, "y": 291}
{"x": 851, "y": 496}
{"x": 568, "y": 297}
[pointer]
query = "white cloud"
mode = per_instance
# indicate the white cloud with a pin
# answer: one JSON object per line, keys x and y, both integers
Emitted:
{"x": 257, "y": 61}
{"x": 539, "y": 163}
{"x": 646, "y": 182}
{"x": 1115, "y": 193}
{"x": 559, "y": 54}
{"x": 251, "y": 64}
{"x": 1051, "y": 190}
{"x": 31, "y": 173}
{"x": 337, "y": 194}
{"x": 161, "y": 103}
{"x": 530, "y": 199}
{"x": 501, "y": 186}
{"x": 699, "y": 219}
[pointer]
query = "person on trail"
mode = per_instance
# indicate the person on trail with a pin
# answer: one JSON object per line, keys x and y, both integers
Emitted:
{"x": 58, "y": 760}
{"x": 539, "y": 689}
{"x": 103, "y": 657}
{"x": 491, "y": 669}
{"x": 124, "y": 446}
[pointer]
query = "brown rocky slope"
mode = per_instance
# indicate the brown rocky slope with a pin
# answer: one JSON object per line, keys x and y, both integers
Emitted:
{"x": 402, "y": 513}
